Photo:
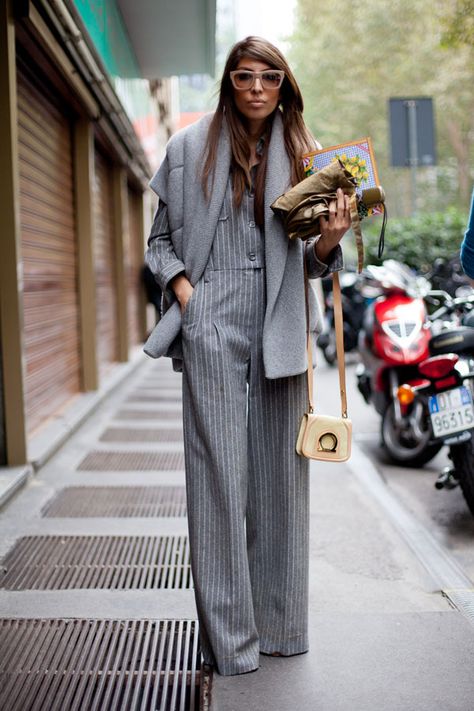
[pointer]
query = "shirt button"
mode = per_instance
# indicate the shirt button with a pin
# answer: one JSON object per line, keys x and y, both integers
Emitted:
{"x": 251, "y": 223}
{"x": 252, "y": 256}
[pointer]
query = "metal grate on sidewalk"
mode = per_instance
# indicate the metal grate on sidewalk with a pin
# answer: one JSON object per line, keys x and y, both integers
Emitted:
{"x": 159, "y": 386}
{"x": 142, "y": 434}
{"x": 117, "y": 501}
{"x": 97, "y": 562}
{"x": 132, "y": 461}
{"x": 163, "y": 397}
{"x": 106, "y": 665}
{"x": 131, "y": 414}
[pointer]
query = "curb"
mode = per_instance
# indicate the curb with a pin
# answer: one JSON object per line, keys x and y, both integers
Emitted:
{"x": 12, "y": 479}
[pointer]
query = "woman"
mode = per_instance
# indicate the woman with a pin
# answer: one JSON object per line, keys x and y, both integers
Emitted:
{"x": 234, "y": 321}
{"x": 467, "y": 247}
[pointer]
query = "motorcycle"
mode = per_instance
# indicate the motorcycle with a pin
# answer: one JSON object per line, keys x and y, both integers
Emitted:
{"x": 393, "y": 341}
{"x": 446, "y": 275}
{"x": 353, "y": 308}
{"x": 446, "y": 392}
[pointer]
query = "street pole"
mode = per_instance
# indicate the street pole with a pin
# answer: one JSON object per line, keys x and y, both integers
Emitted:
{"x": 413, "y": 150}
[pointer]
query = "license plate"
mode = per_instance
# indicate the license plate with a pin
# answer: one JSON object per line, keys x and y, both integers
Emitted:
{"x": 451, "y": 411}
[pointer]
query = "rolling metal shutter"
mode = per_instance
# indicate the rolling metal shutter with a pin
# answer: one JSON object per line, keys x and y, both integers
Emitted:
{"x": 49, "y": 254}
{"x": 134, "y": 264}
{"x": 105, "y": 261}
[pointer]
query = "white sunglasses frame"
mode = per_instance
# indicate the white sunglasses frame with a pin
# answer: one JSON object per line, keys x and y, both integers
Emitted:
{"x": 257, "y": 75}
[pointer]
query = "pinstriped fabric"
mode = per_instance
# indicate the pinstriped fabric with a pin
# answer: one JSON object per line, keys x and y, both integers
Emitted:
{"x": 247, "y": 489}
{"x": 248, "y": 250}
{"x": 278, "y": 513}
{"x": 163, "y": 262}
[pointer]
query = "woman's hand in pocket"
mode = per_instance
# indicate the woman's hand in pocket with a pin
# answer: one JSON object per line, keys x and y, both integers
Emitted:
{"x": 183, "y": 290}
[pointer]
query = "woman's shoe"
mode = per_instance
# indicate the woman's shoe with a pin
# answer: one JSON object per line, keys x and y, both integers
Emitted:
{"x": 272, "y": 654}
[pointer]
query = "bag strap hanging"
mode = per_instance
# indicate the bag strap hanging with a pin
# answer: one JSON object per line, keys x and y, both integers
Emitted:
{"x": 338, "y": 320}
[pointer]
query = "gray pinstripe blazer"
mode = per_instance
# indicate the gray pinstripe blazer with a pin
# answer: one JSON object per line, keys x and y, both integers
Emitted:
{"x": 193, "y": 222}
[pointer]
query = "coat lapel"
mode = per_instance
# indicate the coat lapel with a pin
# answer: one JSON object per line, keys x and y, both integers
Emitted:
{"x": 277, "y": 181}
{"x": 201, "y": 214}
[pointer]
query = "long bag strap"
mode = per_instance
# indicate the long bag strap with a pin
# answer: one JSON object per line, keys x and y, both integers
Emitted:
{"x": 339, "y": 342}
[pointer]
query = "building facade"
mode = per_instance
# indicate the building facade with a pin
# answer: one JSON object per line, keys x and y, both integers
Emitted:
{"x": 81, "y": 130}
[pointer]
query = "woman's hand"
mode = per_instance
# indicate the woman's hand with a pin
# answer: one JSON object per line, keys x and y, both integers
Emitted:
{"x": 183, "y": 290}
{"x": 335, "y": 227}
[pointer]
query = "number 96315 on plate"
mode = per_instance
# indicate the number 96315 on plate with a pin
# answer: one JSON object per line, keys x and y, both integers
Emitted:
{"x": 451, "y": 411}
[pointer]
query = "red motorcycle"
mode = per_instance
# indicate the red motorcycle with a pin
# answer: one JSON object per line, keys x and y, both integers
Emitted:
{"x": 394, "y": 340}
{"x": 446, "y": 392}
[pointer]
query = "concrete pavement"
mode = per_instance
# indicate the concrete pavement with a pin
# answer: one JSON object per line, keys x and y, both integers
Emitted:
{"x": 384, "y": 632}
{"x": 383, "y": 637}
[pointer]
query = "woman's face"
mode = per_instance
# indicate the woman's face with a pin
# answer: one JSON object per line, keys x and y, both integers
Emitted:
{"x": 255, "y": 103}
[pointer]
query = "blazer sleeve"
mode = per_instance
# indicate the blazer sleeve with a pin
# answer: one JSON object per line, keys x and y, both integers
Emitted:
{"x": 160, "y": 255}
{"x": 315, "y": 267}
{"x": 467, "y": 247}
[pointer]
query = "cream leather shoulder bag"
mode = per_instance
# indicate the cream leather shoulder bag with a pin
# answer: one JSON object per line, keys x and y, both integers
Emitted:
{"x": 325, "y": 437}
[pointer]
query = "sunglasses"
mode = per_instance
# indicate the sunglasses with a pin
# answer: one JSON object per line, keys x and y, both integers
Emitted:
{"x": 245, "y": 79}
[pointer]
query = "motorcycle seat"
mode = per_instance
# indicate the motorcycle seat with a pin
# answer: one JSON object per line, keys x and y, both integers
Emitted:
{"x": 455, "y": 340}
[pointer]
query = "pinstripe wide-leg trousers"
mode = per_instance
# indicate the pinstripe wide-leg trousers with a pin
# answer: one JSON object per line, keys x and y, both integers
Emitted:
{"x": 247, "y": 489}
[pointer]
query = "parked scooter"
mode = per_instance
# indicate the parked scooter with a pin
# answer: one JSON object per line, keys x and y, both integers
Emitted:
{"x": 445, "y": 394}
{"x": 394, "y": 340}
{"x": 353, "y": 308}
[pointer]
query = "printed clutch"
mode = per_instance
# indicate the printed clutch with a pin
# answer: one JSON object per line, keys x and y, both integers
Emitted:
{"x": 358, "y": 158}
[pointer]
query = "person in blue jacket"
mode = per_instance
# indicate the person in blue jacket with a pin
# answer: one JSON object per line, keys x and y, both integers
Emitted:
{"x": 467, "y": 247}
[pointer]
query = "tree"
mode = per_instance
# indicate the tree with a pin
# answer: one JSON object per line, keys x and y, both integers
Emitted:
{"x": 416, "y": 241}
{"x": 351, "y": 57}
{"x": 459, "y": 24}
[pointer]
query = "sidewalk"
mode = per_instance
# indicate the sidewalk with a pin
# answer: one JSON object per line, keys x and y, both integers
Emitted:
{"x": 382, "y": 636}
{"x": 96, "y": 600}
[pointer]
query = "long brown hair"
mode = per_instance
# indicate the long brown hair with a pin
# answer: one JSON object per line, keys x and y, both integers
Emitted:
{"x": 297, "y": 138}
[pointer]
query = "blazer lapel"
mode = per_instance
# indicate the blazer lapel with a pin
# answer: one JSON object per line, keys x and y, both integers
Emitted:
{"x": 277, "y": 182}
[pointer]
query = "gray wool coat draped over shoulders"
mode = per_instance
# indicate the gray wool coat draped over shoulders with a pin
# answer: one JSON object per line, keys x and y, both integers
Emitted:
{"x": 193, "y": 221}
